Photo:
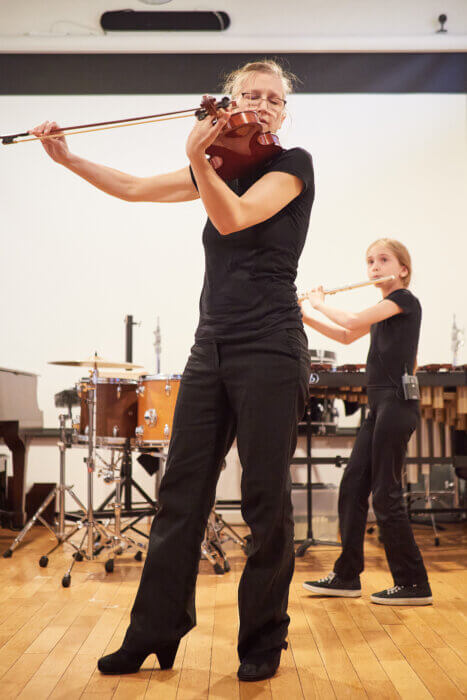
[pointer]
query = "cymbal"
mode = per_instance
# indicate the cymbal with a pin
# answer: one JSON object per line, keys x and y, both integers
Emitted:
{"x": 95, "y": 361}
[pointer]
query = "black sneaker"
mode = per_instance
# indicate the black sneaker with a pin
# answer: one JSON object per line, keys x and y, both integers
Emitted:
{"x": 418, "y": 594}
{"x": 333, "y": 585}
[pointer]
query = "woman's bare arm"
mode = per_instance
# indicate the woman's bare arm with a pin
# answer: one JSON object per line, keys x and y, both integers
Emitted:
{"x": 175, "y": 186}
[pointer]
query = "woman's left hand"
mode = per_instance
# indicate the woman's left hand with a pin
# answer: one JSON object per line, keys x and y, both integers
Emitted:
{"x": 205, "y": 132}
{"x": 316, "y": 296}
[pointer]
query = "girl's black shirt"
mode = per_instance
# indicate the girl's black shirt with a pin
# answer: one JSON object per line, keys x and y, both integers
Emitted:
{"x": 249, "y": 283}
{"x": 394, "y": 342}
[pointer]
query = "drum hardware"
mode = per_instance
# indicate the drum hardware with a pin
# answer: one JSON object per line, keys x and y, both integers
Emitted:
{"x": 59, "y": 532}
{"x": 211, "y": 546}
{"x": 150, "y": 417}
{"x": 158, "y": 346}
{"x": 124, "y": 485}
{"x": 94, "y": 530}
{"x": 95, "y": 429}
{"x": 112, "y": 538}
{"x": 118, "y": 542}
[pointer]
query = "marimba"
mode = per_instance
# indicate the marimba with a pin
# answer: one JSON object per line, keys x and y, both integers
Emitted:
{"x": 443, "y": 390}
{"x": 441, "y": 434}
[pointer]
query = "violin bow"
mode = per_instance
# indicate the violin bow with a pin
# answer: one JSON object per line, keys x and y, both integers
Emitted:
{"x": 209, "y": 106}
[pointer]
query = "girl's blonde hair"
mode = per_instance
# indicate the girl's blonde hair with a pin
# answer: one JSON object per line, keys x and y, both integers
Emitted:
{"x": 400, "y": 251}
{"x": 233, "y": 81}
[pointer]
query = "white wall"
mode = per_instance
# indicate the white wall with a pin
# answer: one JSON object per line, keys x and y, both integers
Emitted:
{"x": 76, "y": 261}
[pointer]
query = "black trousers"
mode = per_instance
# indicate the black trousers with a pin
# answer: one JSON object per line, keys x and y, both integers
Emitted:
{"x": 255, "y": 391}
{"x": 375, "y": 466}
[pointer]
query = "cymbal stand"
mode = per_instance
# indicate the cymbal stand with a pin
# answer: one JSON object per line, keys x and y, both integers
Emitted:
{"x": 93, "y": 529}
{"x": 59, "y": 531}
{"x": 118, "y": 542}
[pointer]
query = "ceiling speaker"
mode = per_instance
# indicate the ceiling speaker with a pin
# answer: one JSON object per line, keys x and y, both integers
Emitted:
{"x": 161, "y": 21}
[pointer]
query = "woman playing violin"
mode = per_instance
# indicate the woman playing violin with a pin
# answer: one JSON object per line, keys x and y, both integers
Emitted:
{"x": 246, "y": 378}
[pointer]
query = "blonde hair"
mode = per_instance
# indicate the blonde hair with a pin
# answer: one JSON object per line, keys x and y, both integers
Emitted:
{"x": 233, "y": 81}
{"x": 400, "y": 251}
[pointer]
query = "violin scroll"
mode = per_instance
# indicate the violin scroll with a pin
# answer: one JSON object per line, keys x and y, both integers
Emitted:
{"x": 210, "y": 106}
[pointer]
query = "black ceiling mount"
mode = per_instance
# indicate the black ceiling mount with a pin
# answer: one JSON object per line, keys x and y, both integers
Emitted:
{"x": 158, "y": 21}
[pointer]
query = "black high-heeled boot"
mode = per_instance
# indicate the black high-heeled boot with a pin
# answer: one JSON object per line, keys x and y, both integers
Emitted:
{"x": 123, "y": 661}
{"x": 258, "y": 667}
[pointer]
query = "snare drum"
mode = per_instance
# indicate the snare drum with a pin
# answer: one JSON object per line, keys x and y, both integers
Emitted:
{"x": 157, "y": 395}
{"x": 116, "y": 410}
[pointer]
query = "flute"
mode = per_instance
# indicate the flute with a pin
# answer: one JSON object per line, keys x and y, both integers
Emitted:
{"x": 355, "y": 285}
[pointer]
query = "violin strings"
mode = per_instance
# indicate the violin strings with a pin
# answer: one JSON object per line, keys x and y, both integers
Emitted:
{"x": 101, "y": 128}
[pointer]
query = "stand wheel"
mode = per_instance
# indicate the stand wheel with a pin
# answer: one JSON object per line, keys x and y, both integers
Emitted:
{"x": 218, "y": 568}
{"x": 77, "y": 556}
{"x": 66, "y": 580}
{"x": 43, "y": 561}
{"x": 109, "y": 566}
{"x": 436, "y": 541}
{"x": 226, "y": 566}
{"x": 139, "y": 556}
{"x": 8, "y": 553}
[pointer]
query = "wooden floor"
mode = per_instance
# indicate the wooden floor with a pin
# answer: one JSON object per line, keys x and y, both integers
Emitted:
{"x": 51, "y": 637}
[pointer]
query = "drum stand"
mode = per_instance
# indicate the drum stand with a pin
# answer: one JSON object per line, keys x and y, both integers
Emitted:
{"x": 94, "y": 529}
{"x": 211, "y": 546}
{"x": 59, "y": 532}
{"x": 126, "y": 484}
{"x": 118, "y": 542}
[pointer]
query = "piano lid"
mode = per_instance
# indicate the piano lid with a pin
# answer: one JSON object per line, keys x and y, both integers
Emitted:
{"x": 19, "y": 371}
{"x": 18, "y": 398}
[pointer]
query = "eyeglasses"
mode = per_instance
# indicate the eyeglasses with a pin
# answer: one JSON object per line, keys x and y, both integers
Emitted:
{"x": 254, "y": 98}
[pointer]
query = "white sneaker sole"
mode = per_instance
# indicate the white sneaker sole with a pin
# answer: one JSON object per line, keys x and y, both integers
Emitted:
{"x": 402, "y": 601}
{"x": 335, "y": 592}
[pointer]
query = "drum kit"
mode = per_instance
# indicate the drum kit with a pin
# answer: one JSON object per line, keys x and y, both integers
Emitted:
{"x": 121, "y": 409}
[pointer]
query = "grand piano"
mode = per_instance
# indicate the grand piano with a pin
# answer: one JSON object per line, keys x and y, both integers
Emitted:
{"x": 19, "y": 416}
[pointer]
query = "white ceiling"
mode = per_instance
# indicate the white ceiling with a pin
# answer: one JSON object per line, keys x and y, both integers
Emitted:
{"x": 256, "y": 25}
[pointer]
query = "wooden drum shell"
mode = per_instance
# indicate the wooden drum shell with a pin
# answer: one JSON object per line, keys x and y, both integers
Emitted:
{"x": 116, "y": 410}
{"x": 157, "y": 396}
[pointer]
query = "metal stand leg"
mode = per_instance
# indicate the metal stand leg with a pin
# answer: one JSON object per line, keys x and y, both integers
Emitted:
{"x": 310, "y": 541}
{"x": 118, "y": 541}
{"x": 60, "y": 531}
{"x": 211, "y": 547}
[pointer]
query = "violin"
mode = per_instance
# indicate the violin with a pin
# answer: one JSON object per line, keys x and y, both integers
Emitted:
{"x": 241, "y": 145}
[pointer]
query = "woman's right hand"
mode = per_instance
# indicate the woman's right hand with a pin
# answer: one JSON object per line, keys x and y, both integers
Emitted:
{"x": 56, "y": 147}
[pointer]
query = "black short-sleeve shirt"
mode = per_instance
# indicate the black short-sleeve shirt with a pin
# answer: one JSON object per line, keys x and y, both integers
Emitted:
{"x": 394, "y": 342}
{"x": 249, "y": 283}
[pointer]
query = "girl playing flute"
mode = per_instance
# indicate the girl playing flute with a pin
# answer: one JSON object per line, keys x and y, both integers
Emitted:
{"x": 377, "y": 458}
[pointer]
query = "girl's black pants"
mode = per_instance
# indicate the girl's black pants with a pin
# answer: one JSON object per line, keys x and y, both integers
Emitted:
{"x": 255, "y": 391}
{"x": 375, "y": 467}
